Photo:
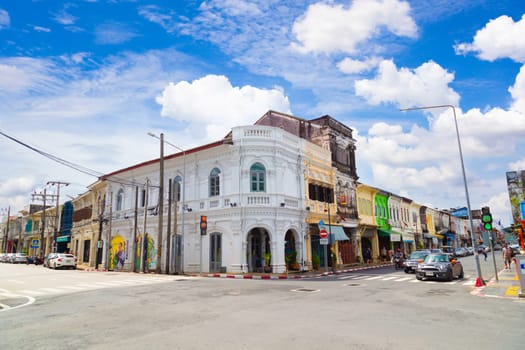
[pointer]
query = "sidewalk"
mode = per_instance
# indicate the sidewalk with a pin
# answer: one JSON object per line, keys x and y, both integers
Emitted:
{"x": 506, "y": 287}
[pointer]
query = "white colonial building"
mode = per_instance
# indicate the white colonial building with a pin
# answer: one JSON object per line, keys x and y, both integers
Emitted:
{"x": 251, "y": 188}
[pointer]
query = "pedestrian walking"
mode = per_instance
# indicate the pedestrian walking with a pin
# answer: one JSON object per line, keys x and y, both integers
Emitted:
{"x": 484, "y": 252}
{"x": 507, "y": 256}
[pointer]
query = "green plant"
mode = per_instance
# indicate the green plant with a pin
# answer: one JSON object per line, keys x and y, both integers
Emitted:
{"x": 267, "y": 258}
{"x": 316, "y": 261}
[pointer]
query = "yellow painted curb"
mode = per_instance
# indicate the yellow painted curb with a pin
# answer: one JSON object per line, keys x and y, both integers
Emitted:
{"x": 512, "y": 291}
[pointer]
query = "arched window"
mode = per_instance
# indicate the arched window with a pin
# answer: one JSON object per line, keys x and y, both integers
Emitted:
{"x": 214, "y": 182}
{"x": 258, "y": 178}
{"x": 177, "y": 188}
{"x": 120, "y": 199}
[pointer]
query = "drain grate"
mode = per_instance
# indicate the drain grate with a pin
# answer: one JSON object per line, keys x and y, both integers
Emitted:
{"x": 305, "y": 290}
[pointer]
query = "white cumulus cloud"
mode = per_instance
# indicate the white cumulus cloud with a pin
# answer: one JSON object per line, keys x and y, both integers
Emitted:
{"x": 351, "y": 66}
{"x": 406, "y": 87}
{"x": 326, "y": 28}
{"x": 212, "y": 100}
{"x": 500, "y": 38}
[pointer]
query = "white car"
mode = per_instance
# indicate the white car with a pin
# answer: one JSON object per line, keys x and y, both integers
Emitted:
{"x": 62, "y": 260}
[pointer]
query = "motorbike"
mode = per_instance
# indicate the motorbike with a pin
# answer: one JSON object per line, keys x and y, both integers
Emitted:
{"x": 398, "y": 262}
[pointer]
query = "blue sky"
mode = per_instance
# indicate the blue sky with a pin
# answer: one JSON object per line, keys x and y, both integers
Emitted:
{"x": 87, "y": 80}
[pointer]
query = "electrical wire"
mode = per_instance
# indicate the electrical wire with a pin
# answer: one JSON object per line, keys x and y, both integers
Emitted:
{"x": 72, "y": 165}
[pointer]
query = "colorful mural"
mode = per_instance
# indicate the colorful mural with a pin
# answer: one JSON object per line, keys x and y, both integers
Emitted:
{"x": 151, "y": 253}
{"x": 118, "y": 253}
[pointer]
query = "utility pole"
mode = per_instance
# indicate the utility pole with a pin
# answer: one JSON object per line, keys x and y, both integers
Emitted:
{"x": 57, "y": 216}
{"x": 158, "y": 268}
{"x": 43, "y": 197}
{"x": 4, "y": 248}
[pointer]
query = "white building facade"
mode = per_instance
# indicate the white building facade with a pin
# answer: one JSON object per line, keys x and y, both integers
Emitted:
{"x": 249, "y": 186}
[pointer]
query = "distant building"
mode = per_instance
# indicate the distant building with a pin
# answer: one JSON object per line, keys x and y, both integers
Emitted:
{"x": 516, "y": 188}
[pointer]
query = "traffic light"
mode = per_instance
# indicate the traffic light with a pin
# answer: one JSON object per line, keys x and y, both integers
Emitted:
{"x": 486, "y": 218}
{"x": 204, "y": 225}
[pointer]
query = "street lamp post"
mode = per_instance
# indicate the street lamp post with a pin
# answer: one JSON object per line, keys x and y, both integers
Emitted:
{"x": 472, "y": 236}
{"x": 161, "y": 138}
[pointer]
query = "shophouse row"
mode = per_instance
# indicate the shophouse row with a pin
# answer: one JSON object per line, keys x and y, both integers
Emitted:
{"x": 266, "y": 192}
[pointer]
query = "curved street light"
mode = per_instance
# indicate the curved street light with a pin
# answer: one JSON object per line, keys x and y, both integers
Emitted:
{"x": 472, "y": 237}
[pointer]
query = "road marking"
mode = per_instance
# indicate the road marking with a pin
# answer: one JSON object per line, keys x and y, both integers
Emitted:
{"x": 403, "y": 279}
{"x": 16, "y": 281}
{"x": 374, "y": 278}
{"x": 388, "y": 278}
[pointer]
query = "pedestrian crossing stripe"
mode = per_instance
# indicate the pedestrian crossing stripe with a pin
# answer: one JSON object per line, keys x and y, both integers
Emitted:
{"x": 397, "y": 278}
{"x": 88, "y": 286}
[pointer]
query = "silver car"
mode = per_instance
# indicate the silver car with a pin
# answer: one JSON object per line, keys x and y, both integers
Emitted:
{"x": 440, "y": 266}
{"x": 410, "y": 264}
{"x": 18, "y": 258}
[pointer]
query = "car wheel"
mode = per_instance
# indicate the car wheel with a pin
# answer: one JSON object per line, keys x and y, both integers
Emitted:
{"x": 450, "y": 276}
{"x": 461, "y": 274}
{"x": 407, "y": 270}
{"x": 419, "y": 278}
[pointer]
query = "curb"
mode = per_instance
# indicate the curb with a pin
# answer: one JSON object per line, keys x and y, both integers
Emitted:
{"x": 284, "y": 276}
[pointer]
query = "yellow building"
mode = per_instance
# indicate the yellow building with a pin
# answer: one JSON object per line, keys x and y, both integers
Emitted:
{"x": 367, "y": 233}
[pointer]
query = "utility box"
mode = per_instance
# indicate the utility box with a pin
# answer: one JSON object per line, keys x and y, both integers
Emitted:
{"x": 520, "y": 262}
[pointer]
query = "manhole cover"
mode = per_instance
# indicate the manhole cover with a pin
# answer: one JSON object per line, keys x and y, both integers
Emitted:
{"x": 305, "y": 290}
{"x": 353, "y": 284}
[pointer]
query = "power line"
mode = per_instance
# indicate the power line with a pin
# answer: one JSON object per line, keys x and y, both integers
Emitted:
{"x": 71, "y": 165}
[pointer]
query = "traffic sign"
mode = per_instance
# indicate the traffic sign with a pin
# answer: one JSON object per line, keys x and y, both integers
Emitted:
{"x": 35, "y": 243}
{"x": 323, "y": 233}
{"x": 323, "y": 241}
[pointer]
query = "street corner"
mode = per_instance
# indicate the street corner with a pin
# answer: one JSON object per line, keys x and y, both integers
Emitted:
{"x": 505, "y": 287}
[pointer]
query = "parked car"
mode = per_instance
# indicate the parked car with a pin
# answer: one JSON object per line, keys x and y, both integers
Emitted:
{"x": 61, "y": 260}
{"x": 35, "y": 260}
{"x": 440, "y": 266}
{"x": 47, "y": 258}
{"x": 470, "y": 250}
{"x": 416, "y": 257}
{"x": 18, "y": 258}
{"x": 436, "y": 250}
{"x": 460, "y": 251}
{"x": 3, "y": 257}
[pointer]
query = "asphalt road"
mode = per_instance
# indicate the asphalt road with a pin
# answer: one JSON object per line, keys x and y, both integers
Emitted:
{"x": 135, "y": 311}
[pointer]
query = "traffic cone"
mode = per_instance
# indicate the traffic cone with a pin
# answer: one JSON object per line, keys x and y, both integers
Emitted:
{"x": 479, "y": 283}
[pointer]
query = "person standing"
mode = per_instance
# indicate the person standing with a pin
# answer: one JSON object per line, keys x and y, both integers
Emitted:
{"x": 368, "y": 255}
{"x": 507, "y": 256}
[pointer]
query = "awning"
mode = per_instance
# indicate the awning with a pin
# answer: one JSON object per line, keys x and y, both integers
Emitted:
{"x": 61, "y": 239}
{"x": 338, "y": 234}
{"x": 394, "y": 236}
{"x": 383, "y": 233}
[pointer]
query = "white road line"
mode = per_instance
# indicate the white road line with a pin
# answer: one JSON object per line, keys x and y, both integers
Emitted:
{"x": 51, "y": 290}
{"x": 403, "y": 279}
{"x": 16, "y": 281}
{"x": 346, "y": 277}
{"x": 72, "y": 288}
{"x": 373, "y": 278}
{"x": 32, "y": 292}
{"x": 88, "y": 285}
{"x": 388, "y": 278}
{"x": 415, "y": 281}
{"x": 362, "y": 277}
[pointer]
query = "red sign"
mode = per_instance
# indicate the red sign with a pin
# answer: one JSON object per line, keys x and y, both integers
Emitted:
{"x": 323, "y": 233}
